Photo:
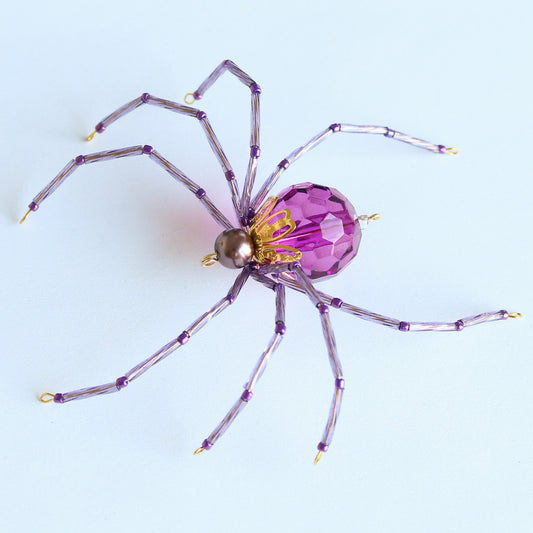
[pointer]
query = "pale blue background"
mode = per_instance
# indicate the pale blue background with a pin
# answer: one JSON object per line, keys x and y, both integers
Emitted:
{"x": 435, "y": 433}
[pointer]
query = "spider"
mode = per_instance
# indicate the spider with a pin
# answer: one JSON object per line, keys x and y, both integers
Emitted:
{"x": 306, "y": 233}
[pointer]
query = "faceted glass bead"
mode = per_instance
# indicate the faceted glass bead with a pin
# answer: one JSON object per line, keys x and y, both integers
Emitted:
{"x": 327, "y": 230}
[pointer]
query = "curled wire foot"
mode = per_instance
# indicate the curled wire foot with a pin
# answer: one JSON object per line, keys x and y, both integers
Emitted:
{"x": 46, "y": 397}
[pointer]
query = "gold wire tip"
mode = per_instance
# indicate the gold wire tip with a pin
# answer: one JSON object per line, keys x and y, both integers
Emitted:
{"x": 189, "y": 99}
{"x": 46, "y": 397}
{"x": 318, "y": 457}
{"x": 25, "y": 216}
{"x": 515, "y": 315}
{"x": 209, "y": 260}
{"x": 452, "y": 151}
{"x": 91, "y": 136}
{"x": 199, "y": 450}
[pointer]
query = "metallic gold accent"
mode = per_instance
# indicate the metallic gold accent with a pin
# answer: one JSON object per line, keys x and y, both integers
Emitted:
{"x": 516, "y": 315}
{"x": 46, "y": 397}
{"x": 452, "y": 151}
{"x": 262, "y": 229}
{"x": 209, "y": 260}
{"x": 188, "y": 100}
{"x": 369, "y": 218}
{"x": 199, "y": 451}
{"x": 91, "y": 136}
{"x": 318, "y": 457}
{"x": 25, "y": 216}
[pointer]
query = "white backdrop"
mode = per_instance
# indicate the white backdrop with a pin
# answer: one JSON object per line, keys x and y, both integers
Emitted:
{"x": 435, "y": 431}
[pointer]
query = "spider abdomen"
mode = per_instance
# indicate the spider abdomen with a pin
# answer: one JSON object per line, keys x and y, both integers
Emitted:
{"x": 326, "y": 232}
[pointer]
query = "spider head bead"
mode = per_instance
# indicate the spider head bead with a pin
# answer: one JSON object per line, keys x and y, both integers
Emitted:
{"x": 234, "y": 248}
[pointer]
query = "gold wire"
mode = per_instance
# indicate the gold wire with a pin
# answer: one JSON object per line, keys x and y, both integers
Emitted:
{"x": 318, "y": 457}
{"x": 188, "y": 100}
{"x": 515, "y": 315}
{"x": 452, "y": 151}
{"x": 209, "y": 260}
{"x": 25, "y": 216}
{"x": 46, "y": 397}
{"x": 91, "y": 136}
{"x": 199, "y": 451}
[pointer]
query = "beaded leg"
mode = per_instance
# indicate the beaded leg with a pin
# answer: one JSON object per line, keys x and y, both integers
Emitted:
{"x": 246, "y": 396}
{"x": 128, "y": 152}
{"x": 138, "y": 370}
{"x": 255, "y": 150}
{"x": 457, "y": 325}
{"x": 343, "y": 128}
{"x": 334, "y": 361}
{"x": 214, "y": 143}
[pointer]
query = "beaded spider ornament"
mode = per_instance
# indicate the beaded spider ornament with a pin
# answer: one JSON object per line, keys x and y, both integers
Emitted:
{"x": 305, "y": 233}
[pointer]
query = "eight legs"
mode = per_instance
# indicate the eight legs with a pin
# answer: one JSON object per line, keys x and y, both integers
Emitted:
{"x": 214, "y": 143}
{"x": 127, "y": 152}
{"x": 166, "y": 350}
{"x": 246, "y": 396}
{"x": 343, "y": 128}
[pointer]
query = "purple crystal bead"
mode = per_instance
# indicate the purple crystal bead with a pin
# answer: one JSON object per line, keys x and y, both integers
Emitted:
{"x": 327, "y": 230}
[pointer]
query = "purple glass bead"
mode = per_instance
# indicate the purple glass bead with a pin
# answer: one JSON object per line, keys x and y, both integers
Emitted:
{"x": 280, "y": 328}
{"x": 336, "y": 302}
{"x": 121, "y": 382}
{"x": 33, "y": 206}
{"x": 80, "y": 160}
{"x": 145, "y": 97}
{"x": 322, "y": 447}
{"x": 183, "y": 338}
{"x": 99, "y": 128}
{"x": 246, "y": 396}
{"x": 147, "y": 149}
{"x": 59, "y": 398}
{"x": 404, "y": 326}
{"x": 327, "y": 230}
{"x": 459, "y": 325}
{"x": 206, "y": 445}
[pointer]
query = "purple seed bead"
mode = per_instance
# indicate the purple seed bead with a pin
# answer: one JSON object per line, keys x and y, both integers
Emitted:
{"x": 246, "y": 396}
{"x": 284, "y": 164}
{"x": 99, "y": 128}
{"x": 255, "y": 88}
{"x": 200, "y": 193}
{"x": 230, "y": 175}
{"x": 389, "y": 133}
{"x": 147, "y": 149}
{"x": 145, "y": 97}
{"x": 206, "y": 445}
{"x": 280, "y": 327}
{"x": 59, "y": 398}
{"x": 33, "y": 206}
{"x": 80, "y": 160}
{"x": 335, "y": 128}
{"x": 121, "y": 382}
{"x": 230, "y": 298}
{"x": 200, "y": 115}
{"x": 404, "y": 326}
{"x": 442, "y": 149}
{"x": 339, "y": 383}
{"x": 322, "y": 447}
{"x": 197, "y": 96}
{"x": 505, "y": 314}
{"x": 336, "y": 302}
{"x": 459, "y": 325}
{"x": 255, "y": 151}
{"x": 184, "y": 338}
{"x": 322, "y": 308}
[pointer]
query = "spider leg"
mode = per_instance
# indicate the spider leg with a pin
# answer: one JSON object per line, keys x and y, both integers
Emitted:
{"x": 401, "y": 325}
{"x": 255, "y": 150}
{"x": 163, "y": 352}
{"x": 246, "y": 396}
{"x": 305, "y": 285}
{"x": 214, "y": 143}
{"x": 97, "y": 157}
{"x": 343, "y": 128}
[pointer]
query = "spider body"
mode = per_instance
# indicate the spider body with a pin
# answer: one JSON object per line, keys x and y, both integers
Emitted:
{"x": 307, "y": 233}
